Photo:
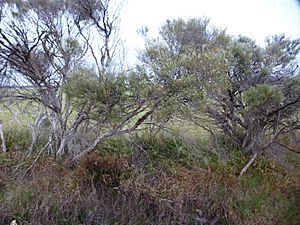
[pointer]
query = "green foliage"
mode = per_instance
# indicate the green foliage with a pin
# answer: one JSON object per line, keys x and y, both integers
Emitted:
{"x": 115, "y": 146}
{"x": 106, "y": 95}
{"x": 72, "y": 47}
{"x": 187, "y": 62}
{"x": 165, "y": 149}
{"x": 292, "y": 212}
{"x": 259, "y": 196}
{"x": 262, "y": 94}
{"x": 282, "y": 51}
{"x": 251, "y": 205}
{"x": 17, "y": 138}
{"x": 160, "y": 148}
{"x": 19, "y": 199}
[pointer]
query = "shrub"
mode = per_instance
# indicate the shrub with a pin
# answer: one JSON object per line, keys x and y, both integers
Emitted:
{"x": 104, "y": 170}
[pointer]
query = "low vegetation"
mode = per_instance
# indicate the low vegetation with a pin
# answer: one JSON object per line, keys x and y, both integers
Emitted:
{"x": 203, "y": 129}
{"x": 143, "y": 179}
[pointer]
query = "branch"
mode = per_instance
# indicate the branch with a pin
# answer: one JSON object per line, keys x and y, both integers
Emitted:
{"x": 247, "y": 165}
{"x": 287, "y": 147}
{"x": 37, "y": 157}
{"x": 115, "y": 131}
{"x": 285, "y": 106}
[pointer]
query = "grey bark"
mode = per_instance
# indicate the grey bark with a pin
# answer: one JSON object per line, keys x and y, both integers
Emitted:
{"x": 3, "y": 145}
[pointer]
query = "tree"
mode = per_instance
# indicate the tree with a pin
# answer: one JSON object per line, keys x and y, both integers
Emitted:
{"x": 248, "y": 92}
{"x": 262, "y": 98}
{"x": 47, "y": 45}
{"x": 42, "y": 42}
{"x": 118, "y": 103}
{"x": 188, "y": 60}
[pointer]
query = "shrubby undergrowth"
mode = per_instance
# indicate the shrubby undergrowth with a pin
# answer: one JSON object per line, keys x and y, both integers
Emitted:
{"x": 146, "y": 179}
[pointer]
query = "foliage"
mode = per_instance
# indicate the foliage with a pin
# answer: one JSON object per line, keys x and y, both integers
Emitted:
{"x": 251, "y": 93}
{"x": 261, "y": 94}
{"x": 187, "y": 60}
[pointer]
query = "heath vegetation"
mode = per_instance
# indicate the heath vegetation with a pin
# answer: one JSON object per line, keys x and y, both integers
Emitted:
{"x": 203, "y": 129}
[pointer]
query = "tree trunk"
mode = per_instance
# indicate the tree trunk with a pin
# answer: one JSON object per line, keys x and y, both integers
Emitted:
{"x": 3, "y": 145}
{"x": 35, "y": 132}
{"x": 61, "y": 149}
{"x": 69, "y": 133}
{"x": 92, "y": 147}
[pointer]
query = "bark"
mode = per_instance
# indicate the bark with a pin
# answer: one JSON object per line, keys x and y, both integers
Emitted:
{"x": 61, "y": 149}
{"x": 3, "y": 145}
{"x": 35, "y": 132}
{"x": 92, "y": 147}
{"x": 53, "y": 137}
{"x": 68, "y": 133}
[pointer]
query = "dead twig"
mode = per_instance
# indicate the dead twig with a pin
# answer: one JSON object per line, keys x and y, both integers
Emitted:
{"x": 36, "y": 158}
{"x": 247, "y": 165}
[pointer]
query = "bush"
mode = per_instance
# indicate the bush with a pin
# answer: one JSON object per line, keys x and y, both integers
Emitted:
{"x": 104, "y": 170}
{"x": 17, "y": 139}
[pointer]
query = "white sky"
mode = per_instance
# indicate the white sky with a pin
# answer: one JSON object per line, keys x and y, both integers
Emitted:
{"x": 254, "y": 18}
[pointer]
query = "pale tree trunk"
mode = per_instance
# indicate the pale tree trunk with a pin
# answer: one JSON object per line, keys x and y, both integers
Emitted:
{"x": 61, "y": 149}
{"x": 3, "y": 145}
{"x": 35, "y": 132}
{"x": 69, "y": 133}
{"x": 64, "y": 116}
{"x": 92, "y": 146}
{"x": 54, "y": 136}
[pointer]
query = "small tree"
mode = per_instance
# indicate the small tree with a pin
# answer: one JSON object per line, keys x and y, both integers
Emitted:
{"x": 262, "y": 98}
{"x": 188, "y": 60}
{"x": 118, "y": 104}
{"x": 46, "y": 43}
{"x": 42, "y": 42}
{"x": 250, "y": 93}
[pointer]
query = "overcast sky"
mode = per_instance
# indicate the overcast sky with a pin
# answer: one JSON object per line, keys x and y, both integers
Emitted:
{"x": 254, "y": 18}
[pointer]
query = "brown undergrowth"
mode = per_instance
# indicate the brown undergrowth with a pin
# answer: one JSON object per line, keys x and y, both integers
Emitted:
{"x": 146, "y": 186}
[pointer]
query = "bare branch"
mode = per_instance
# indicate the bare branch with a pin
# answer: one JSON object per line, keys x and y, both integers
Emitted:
{"x": 247, "y": 165}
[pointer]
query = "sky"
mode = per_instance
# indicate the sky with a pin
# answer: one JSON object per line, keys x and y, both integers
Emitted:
{"x": 254, "y": 18}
